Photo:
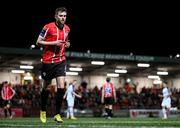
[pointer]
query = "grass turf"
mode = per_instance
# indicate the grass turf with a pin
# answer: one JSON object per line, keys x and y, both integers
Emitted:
{"x": 92, "y": 123}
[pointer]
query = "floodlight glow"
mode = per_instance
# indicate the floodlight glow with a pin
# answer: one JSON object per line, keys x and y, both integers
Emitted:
{"x": 72, "y": 73}
{"x": 120, "y": 71}
{"x": 162, "y": 73}
{"x": 143, "y": 65}
{"x": 153, "y": 77}
{"x": 112, "y": 74}
{"x": 128, "y": 80}
{"x": 97, "y": 62}
{"x": 17, "y": 71}
{"x": 40, "y": 77}
{"x": 28, "y": 78}
{"x": 75, "y": 69}
{"x": 26, "y": 67}
{"x": 157, "y": 82}
{"x": 33, "y": 46}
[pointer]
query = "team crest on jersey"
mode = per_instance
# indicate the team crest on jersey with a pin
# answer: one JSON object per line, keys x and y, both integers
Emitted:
{"x": 44, "y": 73}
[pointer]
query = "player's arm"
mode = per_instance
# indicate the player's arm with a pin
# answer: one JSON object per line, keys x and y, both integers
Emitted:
{"x": 79, "y": 96}
{"x": 41, "y": 41}
{"x": 42, "y": 37}
{"x": 67, "y": 42}
{"x": 160, "y": 95}
{"x": 2, "y": 95}
{"x": 13, "y": 93}
{"x": 170, "y": 93}
{"x": 102, "y": 95}
{"x": 65, "y": 94}
{"x": 114, "y": 93}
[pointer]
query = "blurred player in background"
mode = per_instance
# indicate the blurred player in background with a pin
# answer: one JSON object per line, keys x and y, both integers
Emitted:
{"x": 166, "y": 102}
{"x": 54, "y": 39}
{"x": 7, "y": 94}
{"x": 108, "y": 97}
{"x": 70, "y": 97}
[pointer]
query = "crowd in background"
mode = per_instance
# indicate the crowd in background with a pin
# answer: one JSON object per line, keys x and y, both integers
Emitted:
{"x": 28, "y": 96}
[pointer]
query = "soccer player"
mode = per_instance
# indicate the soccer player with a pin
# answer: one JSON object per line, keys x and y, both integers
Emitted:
{"x": 7, "y": 94}
{"x": 54, "y": 39}
{"x": 108, "y": 97}
{"x": 166, "y": 102}
{"x": 70, "y": 97}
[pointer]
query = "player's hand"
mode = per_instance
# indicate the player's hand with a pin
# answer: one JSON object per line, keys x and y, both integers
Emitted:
{"x": 160, "y": 95}
{"x": 67, "y": 44}
{"x": 80, "y": 96}
{"x": 59, "y": 42}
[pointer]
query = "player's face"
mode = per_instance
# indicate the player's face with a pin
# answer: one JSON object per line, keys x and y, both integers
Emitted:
{"x": 164, "y": 85}
{"x": 74, "y": 83}
{"x": 61, "y": 17}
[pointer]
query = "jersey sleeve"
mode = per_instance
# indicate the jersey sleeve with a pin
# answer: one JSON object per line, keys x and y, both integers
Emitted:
{"x": 44, "y": 31}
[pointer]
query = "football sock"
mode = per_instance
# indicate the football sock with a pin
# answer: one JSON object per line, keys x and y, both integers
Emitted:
{"x": 44, "y": 98}
{"x": 10, "y": 112}
{"x": 71, "y": 112}
{"x": 59, "y": 99}
{"x": 110, "y": 112}
{"x": 68, "y": 112}
{"x": 164, "y": 113}
{"x": 5, "y": 112}
{"x": 106, "y": 111}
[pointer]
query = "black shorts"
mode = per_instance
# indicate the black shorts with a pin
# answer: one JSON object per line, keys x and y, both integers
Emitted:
{"x": 51, "y": 71}
{"x": 6, "y": 102}
{"x": 108, "y": 100}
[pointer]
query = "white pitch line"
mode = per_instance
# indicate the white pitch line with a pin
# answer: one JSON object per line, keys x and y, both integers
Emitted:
{"x": 77, "y": 126}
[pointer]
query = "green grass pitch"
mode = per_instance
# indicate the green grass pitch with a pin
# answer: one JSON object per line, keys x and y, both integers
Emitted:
{"x": 92, "y": 123}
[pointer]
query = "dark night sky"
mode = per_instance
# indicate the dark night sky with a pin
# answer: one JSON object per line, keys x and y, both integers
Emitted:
{"x": 106, "y": 27}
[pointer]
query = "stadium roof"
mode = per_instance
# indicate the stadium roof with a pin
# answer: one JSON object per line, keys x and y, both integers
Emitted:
{"x": 12, "y": 58}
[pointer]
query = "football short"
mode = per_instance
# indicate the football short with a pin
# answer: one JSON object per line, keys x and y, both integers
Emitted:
{"x": 70, "y": 102}
{"x": 53, "y": 70}
{"x": 6, "y": 102}
{"x": 108, "y": 100}
{"x": 166, "y": 102}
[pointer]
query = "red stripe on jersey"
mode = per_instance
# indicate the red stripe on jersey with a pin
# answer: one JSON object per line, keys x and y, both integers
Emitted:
{"x": 50, "y": 32}
{"x": 7, "y": 92}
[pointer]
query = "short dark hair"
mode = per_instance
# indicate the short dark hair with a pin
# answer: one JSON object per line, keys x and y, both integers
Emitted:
{"x": 164, "y": 81}
{"x": 60, "y": 9}
{"x": 108, "y": 79}
{"x": 5, "y": 82}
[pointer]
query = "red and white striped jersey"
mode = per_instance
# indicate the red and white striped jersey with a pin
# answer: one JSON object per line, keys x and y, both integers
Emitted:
{"x": 108, "y": 89}
{"x": 54, "y": 53}
{"x": 7, "y": 92}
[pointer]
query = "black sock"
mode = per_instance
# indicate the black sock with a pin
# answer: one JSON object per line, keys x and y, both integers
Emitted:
{"x": 59, "y": 99}
{"x": 106, "y": 110}
{"x": 5, "y": 112}
{"x": 110, "y": 113}
{"x": 44, "y": 98}
{"x": 10, "y": 113}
